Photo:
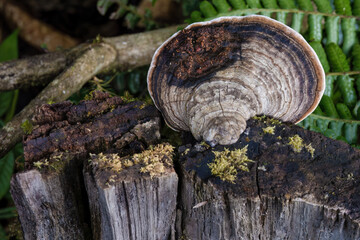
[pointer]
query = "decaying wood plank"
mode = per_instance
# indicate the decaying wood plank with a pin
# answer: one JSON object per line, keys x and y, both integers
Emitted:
{"x": 133, "y": 198}
{"x": 310, "y": 194}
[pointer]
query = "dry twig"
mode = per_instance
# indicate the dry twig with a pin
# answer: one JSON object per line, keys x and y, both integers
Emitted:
{"x": 33, "y": 31}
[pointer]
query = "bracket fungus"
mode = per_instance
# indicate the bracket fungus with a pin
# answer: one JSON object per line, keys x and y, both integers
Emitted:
{"x": 211, "y": 77}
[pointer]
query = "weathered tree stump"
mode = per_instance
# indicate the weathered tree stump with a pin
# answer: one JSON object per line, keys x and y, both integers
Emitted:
{"x": 310, "y": 194}
{"x": 50, "y": 203}
{"x": 128, "y": 204}
{"x": 88, "y": 168}
{"x": 50, "y": 197}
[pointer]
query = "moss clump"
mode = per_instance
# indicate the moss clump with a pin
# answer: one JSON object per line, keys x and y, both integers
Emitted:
{"x": 27, "y": 127}
{"x": 227, "y": 163}
{"x": 155, "y": 159}
{"x": 41, "y": 164}
{"x": 269, "y": 130}
{"x": 259, "y": 118}
{"x": 107, "y": 161}
{"x": 310, "y": 149}
{"x": 297, "y": 144}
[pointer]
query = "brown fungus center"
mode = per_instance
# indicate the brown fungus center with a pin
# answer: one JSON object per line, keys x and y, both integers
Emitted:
{"x": 212, "y": 76}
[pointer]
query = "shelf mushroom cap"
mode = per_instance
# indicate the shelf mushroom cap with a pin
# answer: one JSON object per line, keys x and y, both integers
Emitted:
{"x": 211, "y": 77}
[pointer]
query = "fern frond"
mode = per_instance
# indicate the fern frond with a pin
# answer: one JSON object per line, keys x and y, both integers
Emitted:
{"x": 337, "y": 58}
{"x": 222, "y": 6}
{"x": 356, "y": 8}
{"x": 320, "y": 52}
{"x": 207, "y": 9}
{"x": 356, "y": 57}
{"x": 343, "y": 7}
{"x": 238, "y": 4}
{"x": 254, "y": 3}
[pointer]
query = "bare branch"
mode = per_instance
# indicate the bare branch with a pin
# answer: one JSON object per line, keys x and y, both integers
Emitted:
{"x": 90, "y": 63}
{"x": 34, "y": 31}
{"x": 133, "y": 51}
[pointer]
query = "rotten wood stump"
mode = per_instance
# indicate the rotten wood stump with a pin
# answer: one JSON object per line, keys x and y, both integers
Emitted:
{"x": 97, "y": 181}
{"x": 51, "y": 203}
{"x": 51, "y": 197}
{"x": 293, "y": 190}
{"x": 125, "y": 203}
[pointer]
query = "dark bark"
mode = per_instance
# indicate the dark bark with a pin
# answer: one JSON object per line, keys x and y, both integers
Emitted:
{"x": 285, "y": 195}
{"x": 92, "y": 126}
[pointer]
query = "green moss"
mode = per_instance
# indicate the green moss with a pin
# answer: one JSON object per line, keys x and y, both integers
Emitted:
{"x": 310, "y": 149}
{"x": 227, "y": 163}
{"x": 27, "y": 127}
{"x": 153, "y": 161}
{"x": 269, "y": 130}
{"x": 296, "y": 142}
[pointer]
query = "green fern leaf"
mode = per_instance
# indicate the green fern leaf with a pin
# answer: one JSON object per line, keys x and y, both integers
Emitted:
{"x": 356, "y": 57}
{"x": 356, "y": 8}
{"x": 323, "y": 6}
{"x": 254, "y": 3}
{"x": 287, "y": 4}
{"x": 305, "y": 5}
{"x": 222, "y": 6}
{"x": 207, "y": 9}
{"x": 196, "y": 16}
{"x": 237, "y": 4}
{"x": 320, "y": 52}
{"x": 337, "y": 58}
{"x": 343, "y": 7}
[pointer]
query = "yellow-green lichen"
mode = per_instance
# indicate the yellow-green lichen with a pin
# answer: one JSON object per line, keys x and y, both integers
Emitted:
{"x": 142, "y": 106}
{"x": 40, "y": 164}
{"x": 155, "y": 159}
{"x": 274, "y": 121}
{"x": 269, "y": 130}
{"x": 310, "y": 149}
{"x": 297, "y": 144}
{"x": 259, "y": 118}
{"x": 186, "y": 151}
{"x": 204, "y": 144}
{"x": 27, "y": 127}
{"x": 227, "y": 163}
{"x": 111, "y": 161}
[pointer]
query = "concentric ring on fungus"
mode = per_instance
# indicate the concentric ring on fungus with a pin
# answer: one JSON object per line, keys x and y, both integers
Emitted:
{"x": 212, "y": 76}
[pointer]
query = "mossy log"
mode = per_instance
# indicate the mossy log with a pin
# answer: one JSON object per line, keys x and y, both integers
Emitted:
{"x": 293, "y": 190}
